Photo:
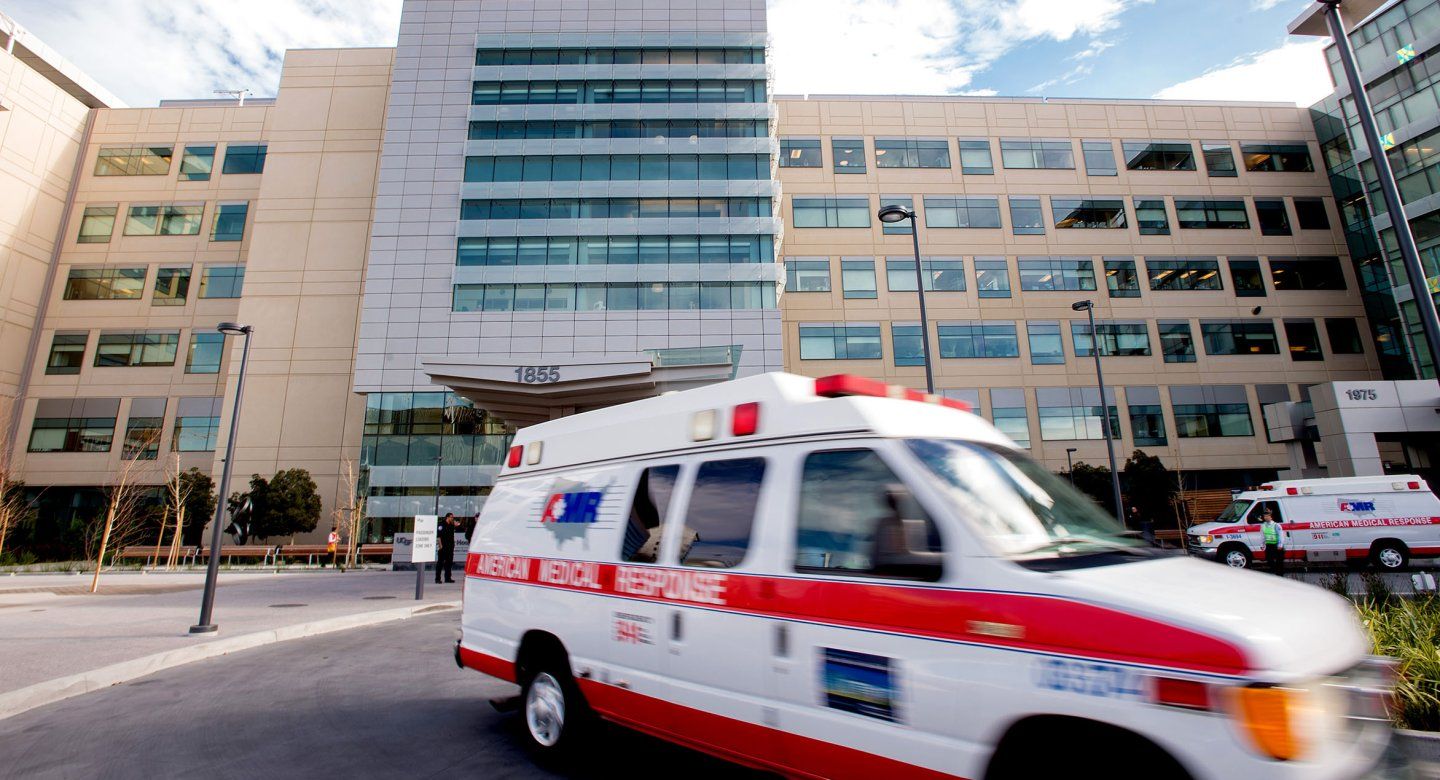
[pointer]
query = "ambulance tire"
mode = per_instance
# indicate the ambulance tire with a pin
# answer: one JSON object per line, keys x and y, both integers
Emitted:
{"x": 1236, "y": 556}
{"x": 1051, "y": 746}
{"x": 1389, "y": 555}
{"x": 553, "y": 713}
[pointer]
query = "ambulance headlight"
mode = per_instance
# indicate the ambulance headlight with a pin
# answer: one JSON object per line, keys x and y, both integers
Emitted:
{"x": 1287, "y": 722}
{"x": 1205, "y": 539}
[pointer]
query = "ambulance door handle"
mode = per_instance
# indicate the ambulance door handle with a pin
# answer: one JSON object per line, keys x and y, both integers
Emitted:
{"x": 677, "y": 626}
{"x": 782, "y": 640}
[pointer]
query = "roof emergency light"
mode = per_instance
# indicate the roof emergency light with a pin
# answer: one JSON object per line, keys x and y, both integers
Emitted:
{"x": 842, "y": 385}
{"x": 745, "y": 419}
{"x": 516, "y": 453}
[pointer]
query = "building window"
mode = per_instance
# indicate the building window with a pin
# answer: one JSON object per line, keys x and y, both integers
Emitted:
{"x": 992, "y": 277}
{"x": 1184, "y": 273}
{"x": 1159, "y": 155}
{"x": 1176, "y": 343}
{"x": 905, "y": 341}
{"x": 1219, "y": 159}
{"x": 1310, "y": 214}
{"x": 1056, "y": 273}
{"x": 1099, "y": 158}
{"x": 1277, "y": 157}
{"x": 222, "y": 281}
{"x": 206, "y": 352}
{"x": 1270, "y": 213}
{"x": 614, "y": 208}
{"x": 615, "y": 250}
{"x": 1037, "y": 154}
{"x": 807, "y": 274}
{"x": 977, "y": 339}
{"x": 839, "y": 342}
{"x": 1210, "y": 411}
{"x": 1074, "y": 413}
{"x": 244, "y": 159}
{"x": 165, "y": 220}
{"x": 1344, "y": 336}
{"x": 137, "y": 349}
{"x": 1212, "y": 214}
{"x": 971, "y": 212}
{"x": 1304, "y": 340}
{"x": 1026, "y": 216}
{"x": 197, "y": 424}
{"x": 645, "y": 296}
{"x": 1306, "y": 273}
{"x": 1239, "y": 337}
{"x": 975, "y": 159}
{"x": 904, "y": 227}
{"x": 849, "y": 154}
{"x": 197, "y": 164}
{"x": 942, "y": 274}
{"x": 142, "y": 435}
{"x": 800, "y": 153}
{"x": 911, "y": 153}
{"x": 134, "y": 161}
{"x": 104, "y": 284}
{"x": 67, "y": 353}
{"x": 1151, "y": 214}
{"x": 1046, "y": 345}
{"x": 1088, "y": 213}
{"x": 1246, "y": 278}
{"x": 74, "y": 425}
{"x": 544, "y": 129}
{"x": 831, "y": 212}
{"x": 1117, "y": 339}
{"x": 229, "y": 222}
{"x": 618, "y": 167}
{"x": 1007, "y": 411}
{"x": 1147, "y": 419}
{"x": 96, "y": 225}
{"x": 172, "y": 286}
{"x": 600, "y": 92}
{"x": 610, "y": 56}
{"x": 857, "y": 277}
{"x": 1121, "y": 278}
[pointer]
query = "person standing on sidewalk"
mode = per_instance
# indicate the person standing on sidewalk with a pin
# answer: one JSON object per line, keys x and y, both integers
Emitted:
{"x": 445, "y": 558}
{"x": 1274, "y": 542}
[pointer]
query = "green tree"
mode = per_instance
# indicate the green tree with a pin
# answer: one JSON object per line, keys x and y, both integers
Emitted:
{"x": 1150, "y": 487}
{"x": 197, "y": 490}
{"x": 1095, "y": 482}
{"x": 287, "y": 503}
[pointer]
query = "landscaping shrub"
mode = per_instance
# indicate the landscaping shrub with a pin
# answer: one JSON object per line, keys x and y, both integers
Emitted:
{"x": 1409, "y": 631}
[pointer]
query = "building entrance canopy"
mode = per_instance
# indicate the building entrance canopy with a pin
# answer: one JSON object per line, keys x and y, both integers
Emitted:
{"x": 533, "y": 388}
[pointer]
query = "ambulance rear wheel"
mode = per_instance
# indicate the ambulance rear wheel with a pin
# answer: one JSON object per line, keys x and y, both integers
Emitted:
{"x": 553, "y": 710}
{"x": 1389, "y": 556}
{"x": 1236, "y": 557}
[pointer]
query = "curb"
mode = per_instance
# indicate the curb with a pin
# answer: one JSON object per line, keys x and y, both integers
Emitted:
{"x": 61, "y": 688}
{"x": 1420, "y": 745}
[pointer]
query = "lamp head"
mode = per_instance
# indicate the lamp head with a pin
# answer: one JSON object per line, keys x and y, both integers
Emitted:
{"x": 894, "y": 213}
{"x": 1072, "y": 449}
{"x": 234, "y": 329}
{"x": 1081, "y": 306}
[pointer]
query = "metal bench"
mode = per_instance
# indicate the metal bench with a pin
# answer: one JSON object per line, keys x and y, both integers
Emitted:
{"x": 266, "y": 553}
{"x": 309, "y": 551}
{"x": 375, "y": 551}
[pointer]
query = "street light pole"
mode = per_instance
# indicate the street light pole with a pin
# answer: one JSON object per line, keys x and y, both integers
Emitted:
{"x": 212, "y": 572}
{"x": 1089, "y": 308}
{"x": 891, "y": 214}
{"x": 1070, "y": 465}
{"x": 1389, "y": 190}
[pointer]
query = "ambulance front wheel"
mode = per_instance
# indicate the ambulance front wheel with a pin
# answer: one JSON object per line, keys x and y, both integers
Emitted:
{"x": 1235, "y": 556}
{"x": 553, "y": 709}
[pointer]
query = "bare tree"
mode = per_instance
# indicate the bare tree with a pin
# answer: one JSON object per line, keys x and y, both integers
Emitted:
{"x": 125, "y": 515}
{"x": 13, "y": 507}
{"x": 349, "y": 516}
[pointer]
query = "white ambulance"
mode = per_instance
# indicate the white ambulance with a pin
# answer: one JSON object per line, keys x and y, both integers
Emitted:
{"x": 838, "y": 578}
{"x": 1383, "y": 520}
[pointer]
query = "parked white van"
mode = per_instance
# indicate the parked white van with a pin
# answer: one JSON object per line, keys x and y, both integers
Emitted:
{"x": 838, "y": 578}
{"x": 1384, "y": 520}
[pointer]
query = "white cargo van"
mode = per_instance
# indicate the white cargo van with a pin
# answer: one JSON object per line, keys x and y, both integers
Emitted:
{"x": 838, "y": 578}
{"x": 1384, "y": 520}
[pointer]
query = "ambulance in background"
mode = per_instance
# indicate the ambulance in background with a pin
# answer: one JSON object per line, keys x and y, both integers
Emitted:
{"x": 1385, "y": 521}
{"x": 843, "y": 579}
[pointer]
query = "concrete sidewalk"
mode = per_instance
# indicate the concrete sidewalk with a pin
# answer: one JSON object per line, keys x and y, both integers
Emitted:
{"x": 51, "y": 630}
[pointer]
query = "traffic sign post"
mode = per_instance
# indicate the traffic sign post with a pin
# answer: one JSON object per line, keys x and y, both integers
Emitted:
{"x": 422, "y": 550}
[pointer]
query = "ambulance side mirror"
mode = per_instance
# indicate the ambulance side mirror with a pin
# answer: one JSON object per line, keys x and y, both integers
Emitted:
{"x": 902, "y": 547}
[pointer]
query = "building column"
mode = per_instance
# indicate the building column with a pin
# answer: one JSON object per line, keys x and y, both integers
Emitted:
{"x": 1353, "y": 455}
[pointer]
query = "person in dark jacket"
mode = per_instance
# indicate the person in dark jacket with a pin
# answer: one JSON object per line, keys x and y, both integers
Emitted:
{"x": 445, "y": 554}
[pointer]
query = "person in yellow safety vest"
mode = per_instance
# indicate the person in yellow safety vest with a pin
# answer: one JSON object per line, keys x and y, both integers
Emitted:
{"x": 1274, "y": 542}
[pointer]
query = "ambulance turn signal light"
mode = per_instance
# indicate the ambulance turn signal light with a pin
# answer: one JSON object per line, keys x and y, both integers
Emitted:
{"x": 745, "y": 419}
{"x": 842, "y": 385}
{"x": 516, "y": 453}
{"x": 1267, "y": 716}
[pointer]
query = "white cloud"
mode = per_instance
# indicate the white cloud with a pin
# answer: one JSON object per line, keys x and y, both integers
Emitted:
{"x": 918, "y": 46}
{"x": 1294, "y": 72}
{"x": 145, "y": 51}
{"x": 1265, "y": 5}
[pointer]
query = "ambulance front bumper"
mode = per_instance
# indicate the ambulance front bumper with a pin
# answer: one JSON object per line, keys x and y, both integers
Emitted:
{"x": 1194, "y": 546}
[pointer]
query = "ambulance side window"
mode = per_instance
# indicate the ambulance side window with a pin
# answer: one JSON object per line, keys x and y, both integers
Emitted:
{"x": 1257, "y": 515}
{"x": 721, "y": 512}
{"x": 843, "y": 499}
{"x": 644, "y": 528}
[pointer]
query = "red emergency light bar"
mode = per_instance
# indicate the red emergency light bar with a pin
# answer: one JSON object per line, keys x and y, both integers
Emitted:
{"x": 842, "y": 385}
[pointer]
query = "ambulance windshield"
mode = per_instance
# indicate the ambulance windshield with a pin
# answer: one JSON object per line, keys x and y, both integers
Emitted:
{"x": 1234, "y": 512}
{"x": 1024, "y": 511}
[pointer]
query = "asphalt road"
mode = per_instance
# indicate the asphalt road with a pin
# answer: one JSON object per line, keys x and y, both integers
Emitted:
{"x": 371, "y": 702}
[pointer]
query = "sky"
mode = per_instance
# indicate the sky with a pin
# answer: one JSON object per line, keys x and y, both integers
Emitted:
{"x": 144, "y": 51}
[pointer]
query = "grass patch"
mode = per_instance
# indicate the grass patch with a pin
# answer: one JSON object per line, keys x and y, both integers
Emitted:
{"x": 1408, "y": 630}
